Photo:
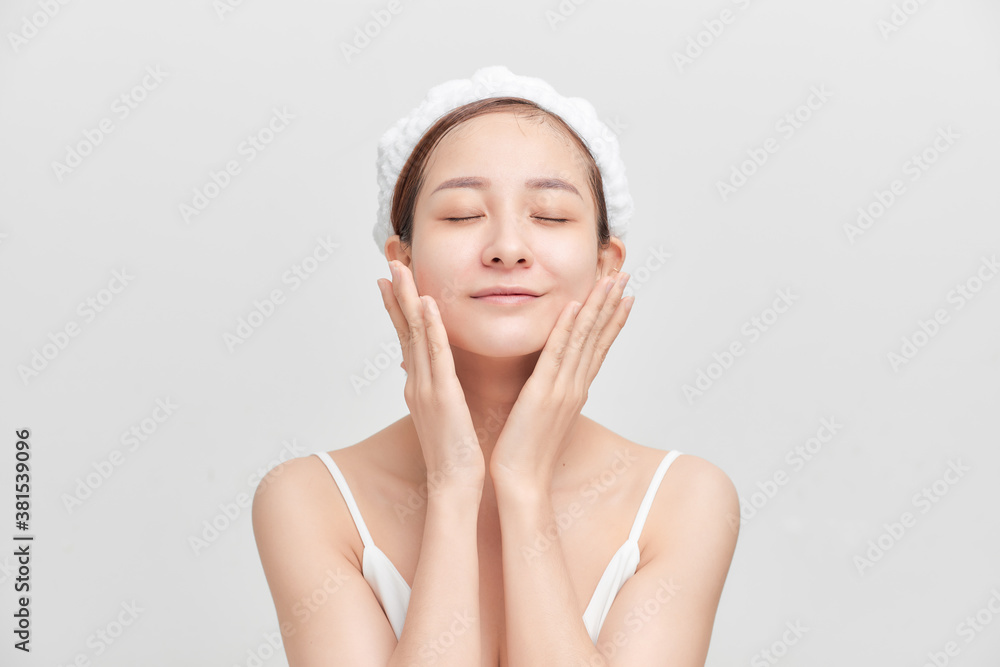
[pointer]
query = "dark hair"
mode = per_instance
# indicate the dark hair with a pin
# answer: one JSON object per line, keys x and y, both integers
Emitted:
{"x": 411, "y": 176}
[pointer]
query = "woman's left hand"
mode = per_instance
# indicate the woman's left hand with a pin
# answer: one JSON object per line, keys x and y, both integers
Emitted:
{"x": 538, "y": 427}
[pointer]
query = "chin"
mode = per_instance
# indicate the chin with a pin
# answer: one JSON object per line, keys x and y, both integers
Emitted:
{"x": 499, "y": 342}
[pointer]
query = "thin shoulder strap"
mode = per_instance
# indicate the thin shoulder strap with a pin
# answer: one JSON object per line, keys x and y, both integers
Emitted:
{"x": 647, "y": 501}
{"x": 345, "y": 491}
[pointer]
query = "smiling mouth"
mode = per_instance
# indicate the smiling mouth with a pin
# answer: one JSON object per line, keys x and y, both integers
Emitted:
{"x": 507, "y": 299}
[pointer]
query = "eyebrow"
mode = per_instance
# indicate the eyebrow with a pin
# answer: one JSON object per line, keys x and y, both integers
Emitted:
{"x": 478, "y": 183}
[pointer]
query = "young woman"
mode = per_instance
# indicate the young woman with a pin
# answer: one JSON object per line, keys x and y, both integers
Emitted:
{"x": 502, "y": 525}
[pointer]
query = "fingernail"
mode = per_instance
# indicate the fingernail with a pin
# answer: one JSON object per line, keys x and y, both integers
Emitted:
{"x": 623, "y": 278}
{"x": 607, "y": 288}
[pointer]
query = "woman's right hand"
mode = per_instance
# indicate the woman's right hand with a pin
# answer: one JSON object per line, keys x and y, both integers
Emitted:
{"x": 433, "y": 392}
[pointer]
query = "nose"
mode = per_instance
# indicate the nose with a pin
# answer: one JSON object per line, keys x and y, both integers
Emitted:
{"x": 506, "y": 243}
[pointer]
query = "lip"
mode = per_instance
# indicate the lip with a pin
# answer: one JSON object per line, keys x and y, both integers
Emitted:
{"x": 512, "y": 290}
{"x": 511, "y": 299}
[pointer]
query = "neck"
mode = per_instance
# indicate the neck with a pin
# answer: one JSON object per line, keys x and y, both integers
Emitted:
{"x": 491, "y": 386}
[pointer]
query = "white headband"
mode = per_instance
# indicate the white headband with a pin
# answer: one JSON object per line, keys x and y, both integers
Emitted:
{"x": 398, "y": 142}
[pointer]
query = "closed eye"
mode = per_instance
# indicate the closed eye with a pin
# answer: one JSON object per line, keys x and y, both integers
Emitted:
{"x": 479, "y": 216}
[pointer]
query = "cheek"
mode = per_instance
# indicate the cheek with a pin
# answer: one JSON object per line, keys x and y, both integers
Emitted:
{"x": 582, "y": 289}
{"x": 440, "y": 281}
{"x": 574, "y": 273}
{"x": 438, "y": 270}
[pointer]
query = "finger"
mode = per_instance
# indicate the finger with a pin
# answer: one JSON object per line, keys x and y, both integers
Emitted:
{"x": 438, "y": 348}
{"x": 609, "y": 335}
{"x": 593, "y": 352}
{"x": 405, "y": 290}
{"x": 549, "y": 361}
{"x": 585, "y": 320}
{"x": 398, "y": 319}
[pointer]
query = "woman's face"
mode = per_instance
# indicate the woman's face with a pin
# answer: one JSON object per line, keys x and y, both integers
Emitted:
{"x": 518, "y": 179}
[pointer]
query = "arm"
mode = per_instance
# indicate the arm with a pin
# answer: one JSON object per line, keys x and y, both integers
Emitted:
{"x": 327, "y": 612}
{"x": 663, "y": 615}
{"x": 543, "y": 626}
{"x": 442, "y": 621}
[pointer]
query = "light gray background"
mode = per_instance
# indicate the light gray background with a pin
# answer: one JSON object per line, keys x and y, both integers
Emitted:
{"x": 287, "y": 390}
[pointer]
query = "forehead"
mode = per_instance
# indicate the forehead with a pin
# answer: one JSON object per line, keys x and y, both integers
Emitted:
{"x": 529, "y": 142}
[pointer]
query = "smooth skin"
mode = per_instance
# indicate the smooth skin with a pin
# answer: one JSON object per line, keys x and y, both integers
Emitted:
{"x": 496, "y": 448}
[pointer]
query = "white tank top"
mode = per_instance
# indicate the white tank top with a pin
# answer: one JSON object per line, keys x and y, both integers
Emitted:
{"x": 393, "y": 593}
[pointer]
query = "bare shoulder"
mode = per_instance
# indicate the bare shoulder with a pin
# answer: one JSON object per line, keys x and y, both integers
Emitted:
{"x": 701, "y": 480}
{"x": 302, "y": 528}
{"x": 293, "y": 480}
{"x": 693, "y": 494}
{"x": 301, "y": 492}
{"x": 702, "y": 483}
{"x": 697, "y": 507}
{"x": 307, "y": 484}
{"x": 305, "y": 487}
